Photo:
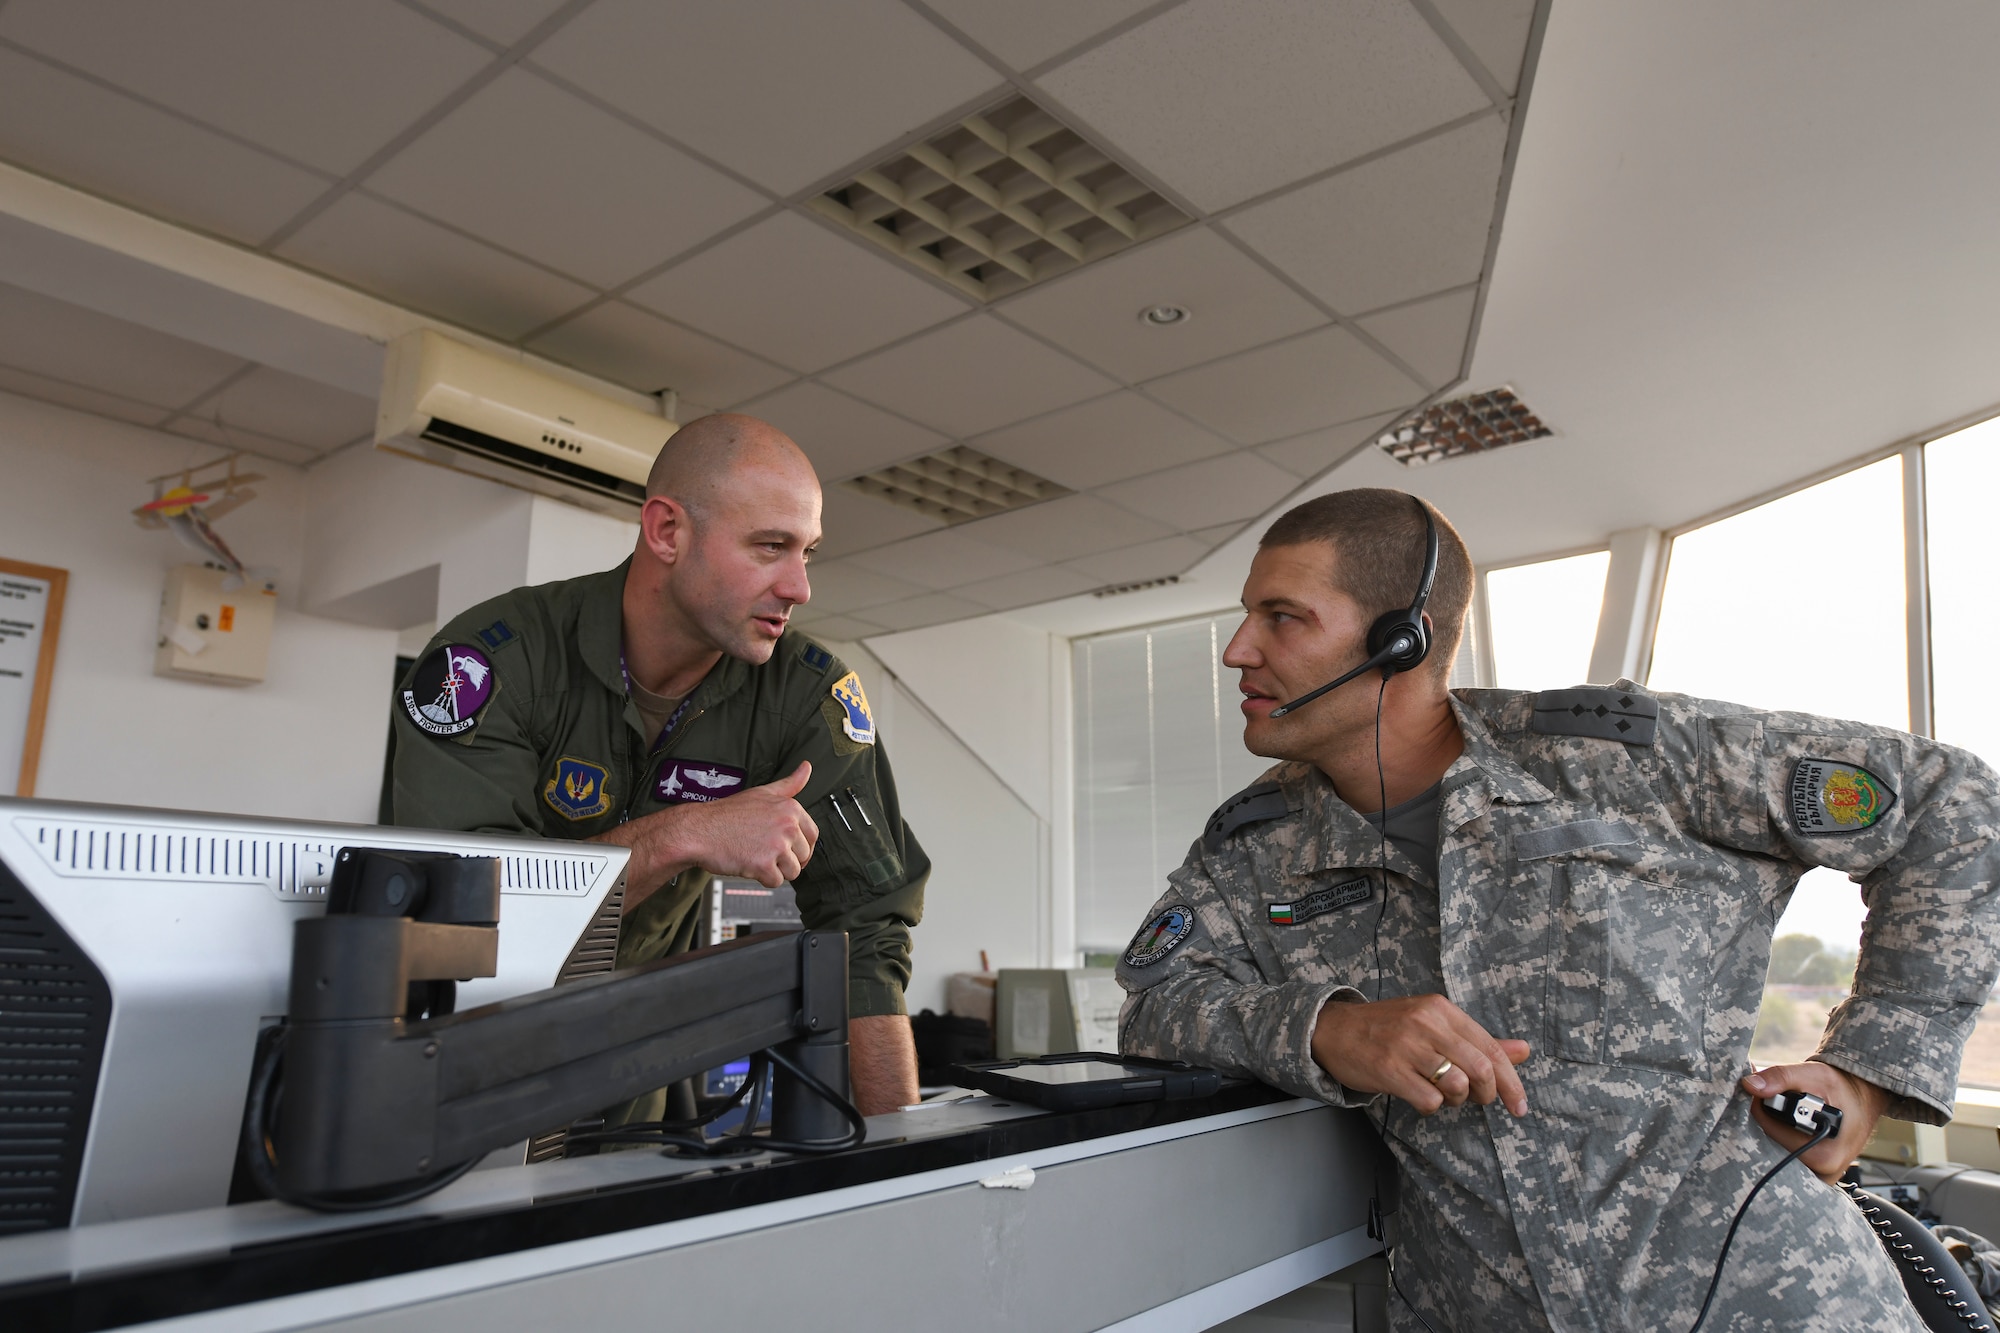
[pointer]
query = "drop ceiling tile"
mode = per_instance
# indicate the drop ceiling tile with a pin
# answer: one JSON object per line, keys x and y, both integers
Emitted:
{"x": 644, "y": 352}
{"x": 840, "y": 586}
{"x": 80, "y": 397}
{"x": 933, "y": 609}
{"x": 1106, "y": 439}
{"x": 83, "y": 135}
{"x": 843, "y": 436}
{"x": 1136, "y": 564}
{"x": 1061, "y": 529}
{"x": 235, "y": 438}
{"x": 1308, "y": 455}
{"x": 1402, "y": 226}
{"x": 286, "y": 407}
{"x": 1227, "y": 101}
{"x": 943, "y": 560}
{"x": 1233, "y": 304}
{"x": 416, "y": 263}
{"x": 1430, "y": 335}
{"x": 840, "y": 629}
{"x": 785, "y": 91}
{"x": 548, "y": 176}
{"x": 1289, "y": 387}
{"x": 798, "y": 293}
{"x": 853, "y": 522}
{"x": 502, "y": 21}
{"x": 1217, "y": 535}
{"x": 1215, "y": 490}
{"x": 325, "y": 84}
{"x": 1026, "y": 32}
{"x": 44, "y": 336}
{"x": 973, "y": 376}
{"x": 1497, "y": 32}
{"x": 1030, "y": 587}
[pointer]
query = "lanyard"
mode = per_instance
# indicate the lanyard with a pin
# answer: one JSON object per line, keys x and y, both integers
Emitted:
{"x": 672, "y": 722}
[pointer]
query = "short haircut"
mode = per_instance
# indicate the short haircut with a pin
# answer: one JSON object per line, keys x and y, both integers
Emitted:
{"x": 1378, "y": 544}
{"x": 694, "y": 465}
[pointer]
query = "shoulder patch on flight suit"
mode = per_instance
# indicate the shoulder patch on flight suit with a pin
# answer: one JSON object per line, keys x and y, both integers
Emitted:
{"x": 1828, "y": 796}
{"x": 577, "y": 791}
{"x": 847, "y": 716}
{"x": 815, "y": 657}
{"x": 1604, "y": 714}
{"x": 448, "y": 688}
{"x": 1259, "y": 801}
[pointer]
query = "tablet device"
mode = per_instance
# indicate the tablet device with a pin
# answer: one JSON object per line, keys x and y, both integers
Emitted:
{"x": 1086, "y": 1080}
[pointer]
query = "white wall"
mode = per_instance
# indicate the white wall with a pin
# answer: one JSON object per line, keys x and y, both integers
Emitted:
{"x": 306, "y": 742}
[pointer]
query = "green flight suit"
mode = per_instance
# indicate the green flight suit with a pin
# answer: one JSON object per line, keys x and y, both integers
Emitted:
{"x": 544, "y": 740}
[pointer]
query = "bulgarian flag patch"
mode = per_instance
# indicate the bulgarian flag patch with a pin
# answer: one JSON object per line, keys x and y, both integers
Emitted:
{"x": 1280, "y": 913}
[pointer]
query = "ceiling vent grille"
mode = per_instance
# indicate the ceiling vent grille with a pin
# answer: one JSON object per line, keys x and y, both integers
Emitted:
{"x": 1474, "y": 424}
{"x": 1120, "y": 589}
{"x": 1000, "y": 201}
{"x": 956, "y": 485}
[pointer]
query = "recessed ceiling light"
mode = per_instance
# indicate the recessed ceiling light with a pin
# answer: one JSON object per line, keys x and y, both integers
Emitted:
{"x": 1164, "y": 316}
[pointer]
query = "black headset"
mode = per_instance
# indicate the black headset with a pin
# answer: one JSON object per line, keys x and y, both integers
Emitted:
{"x": 1398, "y": 640}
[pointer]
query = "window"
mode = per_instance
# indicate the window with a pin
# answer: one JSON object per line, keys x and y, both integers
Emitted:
{"x": 1159, "y": 744}
{"x": 1544, "y": 619}
{"x": 1797, "y": 604}
{"x": 1962, "y": 492}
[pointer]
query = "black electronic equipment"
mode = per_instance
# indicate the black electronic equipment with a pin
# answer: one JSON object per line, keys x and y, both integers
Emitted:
{"x": 361, "y": 1104}
{"x": 1398, "y": 640}
{"x": 1087, "y": 1080}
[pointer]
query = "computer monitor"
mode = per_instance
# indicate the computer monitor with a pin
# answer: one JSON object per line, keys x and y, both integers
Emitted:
{"x": 142, "y": 952}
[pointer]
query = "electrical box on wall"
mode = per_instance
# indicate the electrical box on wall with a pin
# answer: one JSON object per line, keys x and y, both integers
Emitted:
{"x": 207, "y": 633}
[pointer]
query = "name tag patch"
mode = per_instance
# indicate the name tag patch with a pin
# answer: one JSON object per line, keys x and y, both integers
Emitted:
{"x": 1319, "y": 902}
{"x": 696, "y": 780}
{"x": 1828, "y": 796}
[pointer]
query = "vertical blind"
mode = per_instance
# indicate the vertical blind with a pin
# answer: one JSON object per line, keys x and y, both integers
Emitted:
{"x": 1159, "y": 744}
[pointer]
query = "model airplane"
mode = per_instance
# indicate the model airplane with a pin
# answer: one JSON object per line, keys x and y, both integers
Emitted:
{"x": 189, "y": 509}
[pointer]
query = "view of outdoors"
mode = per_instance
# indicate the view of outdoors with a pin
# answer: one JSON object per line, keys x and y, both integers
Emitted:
{"x": 1544, "y": 619}
{"x": 1962, "y": 482}
{"x": 1727, "y": 631}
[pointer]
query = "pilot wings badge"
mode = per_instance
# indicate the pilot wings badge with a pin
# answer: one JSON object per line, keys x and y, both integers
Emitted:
{"x": 577, "y": 790}
{"x": 694, "y": 781}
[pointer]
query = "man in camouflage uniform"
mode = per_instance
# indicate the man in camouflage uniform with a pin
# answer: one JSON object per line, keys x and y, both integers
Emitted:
{"x": 1583, "y": 884}
{"x": 664, "y": 706}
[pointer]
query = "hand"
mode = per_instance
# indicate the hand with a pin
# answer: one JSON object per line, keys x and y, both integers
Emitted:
{"x": 1861, "y": 1104}
{"x": 1393, "y": 1046}
{"x": 761, "y": 833}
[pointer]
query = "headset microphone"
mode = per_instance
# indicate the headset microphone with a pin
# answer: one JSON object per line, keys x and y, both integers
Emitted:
{"x": 1398, "y": 640}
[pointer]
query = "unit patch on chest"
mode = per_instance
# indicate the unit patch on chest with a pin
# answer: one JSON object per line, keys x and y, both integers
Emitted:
{"x": 577, "y": 791}
{"x": 694, "y": 780}
{"x": 1319, "y": 902}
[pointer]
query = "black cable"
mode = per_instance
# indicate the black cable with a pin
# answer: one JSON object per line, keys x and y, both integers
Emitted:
{"x": 709, "y": 1117}
{"x": 730, "y": 1145}
{"x": 1382, "y": 795}
{"x": 261, "y": 1158}
{"x": 1825, "y": 1130}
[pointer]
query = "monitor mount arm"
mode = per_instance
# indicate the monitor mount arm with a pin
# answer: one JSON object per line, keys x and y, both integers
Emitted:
{"x": 372, "y": 1099}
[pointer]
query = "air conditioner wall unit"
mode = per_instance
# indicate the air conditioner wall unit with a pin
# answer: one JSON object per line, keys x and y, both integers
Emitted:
{"x": 454, "y": 405}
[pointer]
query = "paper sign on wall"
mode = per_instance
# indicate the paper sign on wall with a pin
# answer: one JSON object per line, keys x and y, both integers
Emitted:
{"x": 30, "y": 611}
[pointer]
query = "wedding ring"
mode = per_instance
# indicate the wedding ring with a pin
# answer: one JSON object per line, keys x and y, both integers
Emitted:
{"x": 1442, "y": 1070}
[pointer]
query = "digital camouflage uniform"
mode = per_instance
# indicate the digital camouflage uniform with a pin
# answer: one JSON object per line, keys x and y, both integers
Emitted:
{"x": 1612, "y": 866}
{"x": 554, "y": 748}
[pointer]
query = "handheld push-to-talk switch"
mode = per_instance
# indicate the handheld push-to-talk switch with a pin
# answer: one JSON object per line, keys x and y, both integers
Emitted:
{"x": 1399, "y": 639}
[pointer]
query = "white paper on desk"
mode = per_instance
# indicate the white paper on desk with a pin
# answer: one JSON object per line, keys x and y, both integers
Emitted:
{"x": 1013, "y": 1178}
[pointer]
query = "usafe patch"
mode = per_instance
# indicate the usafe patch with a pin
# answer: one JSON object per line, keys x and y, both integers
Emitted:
{"x": 1319, "y": 902}
{"x": 577, "y": 791}
{"x": 1827, "y": 796}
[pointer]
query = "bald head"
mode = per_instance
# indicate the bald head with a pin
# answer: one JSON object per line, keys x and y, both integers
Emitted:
{"x": 706, "y": 455}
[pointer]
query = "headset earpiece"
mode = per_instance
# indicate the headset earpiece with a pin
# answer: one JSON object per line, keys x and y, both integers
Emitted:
{"x": 1399, "y": 640}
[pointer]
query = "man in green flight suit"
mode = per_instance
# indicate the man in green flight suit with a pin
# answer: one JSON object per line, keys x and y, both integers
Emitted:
{"x": 664, "y": 706}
